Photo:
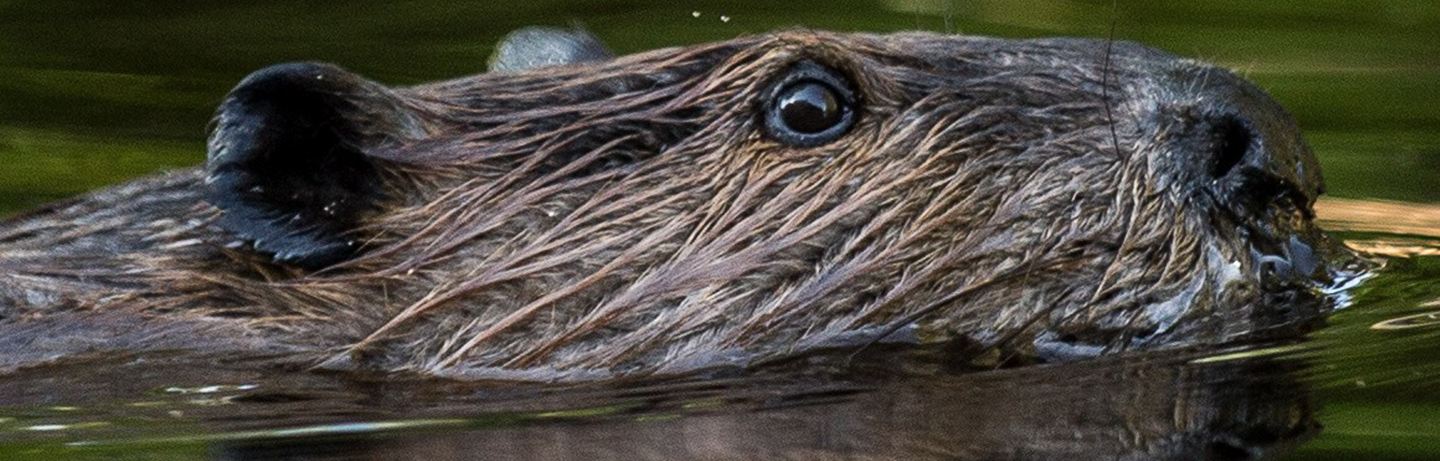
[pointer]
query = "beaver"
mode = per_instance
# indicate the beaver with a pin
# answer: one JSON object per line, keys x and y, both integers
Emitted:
{"x": 576, "y": 216}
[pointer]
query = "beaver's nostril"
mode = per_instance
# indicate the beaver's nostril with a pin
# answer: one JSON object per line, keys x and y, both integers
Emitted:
{"x": 1231, "y": 139}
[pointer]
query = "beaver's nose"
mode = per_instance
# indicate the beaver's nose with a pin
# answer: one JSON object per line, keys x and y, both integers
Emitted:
{"x": 1247, "y": 149}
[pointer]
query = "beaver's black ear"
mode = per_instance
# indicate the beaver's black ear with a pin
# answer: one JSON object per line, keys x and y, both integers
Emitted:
{"x": 535, "y": 47}
{"x": 290, "y": 161}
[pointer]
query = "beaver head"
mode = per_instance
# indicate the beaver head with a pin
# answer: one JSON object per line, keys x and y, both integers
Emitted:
{"x": 733, "y": 202}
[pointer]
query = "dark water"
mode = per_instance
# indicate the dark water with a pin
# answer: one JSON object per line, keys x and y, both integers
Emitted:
{"x": 92, "y": 93}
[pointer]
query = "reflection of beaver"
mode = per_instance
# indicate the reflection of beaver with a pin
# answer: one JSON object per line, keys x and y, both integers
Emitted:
{"x": 687, "y": 207}
{"x": 1153, "y": 409}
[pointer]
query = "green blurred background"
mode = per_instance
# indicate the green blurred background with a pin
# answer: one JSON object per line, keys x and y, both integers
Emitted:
{"x": 94, "y": 92}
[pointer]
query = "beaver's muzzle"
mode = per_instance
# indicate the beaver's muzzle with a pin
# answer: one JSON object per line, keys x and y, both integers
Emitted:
{"x": 1246, "y": 167}
{"x": 1247, "y": 146}
{"x": 1248, "y": 164}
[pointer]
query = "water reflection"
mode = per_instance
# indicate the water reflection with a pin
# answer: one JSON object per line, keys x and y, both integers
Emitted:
{"x": 1137, "y": 408}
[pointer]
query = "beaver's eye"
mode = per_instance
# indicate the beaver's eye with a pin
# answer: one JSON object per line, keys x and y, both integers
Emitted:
{"x": 809, "y": 106}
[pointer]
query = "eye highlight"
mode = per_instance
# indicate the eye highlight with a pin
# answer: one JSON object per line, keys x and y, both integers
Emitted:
{"x": 809, "y": 106}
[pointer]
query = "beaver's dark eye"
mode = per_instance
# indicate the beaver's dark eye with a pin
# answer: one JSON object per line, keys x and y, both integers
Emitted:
{"x": 809, "y": 106}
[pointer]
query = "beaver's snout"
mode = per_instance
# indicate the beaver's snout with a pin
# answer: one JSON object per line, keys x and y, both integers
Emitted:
{"x": 1247, "y": 148}
{"x": 1232, "y": 152}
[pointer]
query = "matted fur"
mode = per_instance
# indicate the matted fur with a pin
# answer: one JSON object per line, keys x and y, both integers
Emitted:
{"x": 632, "y": 217}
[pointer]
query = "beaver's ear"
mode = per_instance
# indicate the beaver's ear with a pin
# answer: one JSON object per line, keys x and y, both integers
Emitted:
{"x": 291, "y": 161}
{"x": 535, "y": 47}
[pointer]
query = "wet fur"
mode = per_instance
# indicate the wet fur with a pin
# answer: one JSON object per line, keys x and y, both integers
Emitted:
{"x": 632, "y": 218}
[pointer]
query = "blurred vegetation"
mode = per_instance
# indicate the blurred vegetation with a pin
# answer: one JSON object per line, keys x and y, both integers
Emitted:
{"x": 94, "y": 92}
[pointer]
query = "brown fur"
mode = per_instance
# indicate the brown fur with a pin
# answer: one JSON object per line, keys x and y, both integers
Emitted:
{"x": 630, "y": 218}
